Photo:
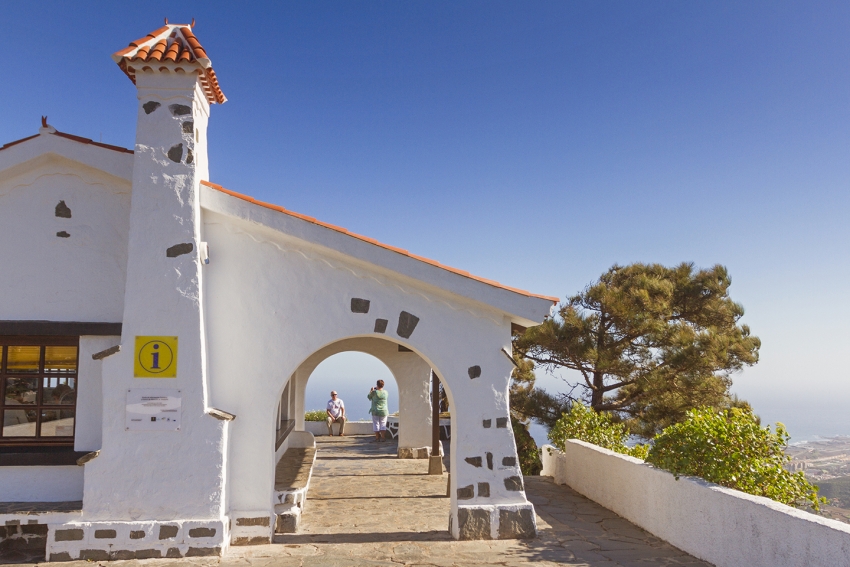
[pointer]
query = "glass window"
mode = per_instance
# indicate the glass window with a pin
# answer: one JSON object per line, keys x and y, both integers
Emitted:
{"x": 38, "y": 390}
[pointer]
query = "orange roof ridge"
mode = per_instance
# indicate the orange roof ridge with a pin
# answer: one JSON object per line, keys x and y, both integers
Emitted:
{"x": 176, "y": 44}
{"x": 70, "y": 137}
{"x": 375, "y": 242}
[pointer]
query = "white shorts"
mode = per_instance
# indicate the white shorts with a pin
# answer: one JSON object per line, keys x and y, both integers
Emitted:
{"x": 379, "y": 423}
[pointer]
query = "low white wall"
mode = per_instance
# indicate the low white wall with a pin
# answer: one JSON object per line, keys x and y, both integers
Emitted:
{"x": 319, "y": 428}
{"x": 722, "y": 526}
{"x": 41, "y": 484}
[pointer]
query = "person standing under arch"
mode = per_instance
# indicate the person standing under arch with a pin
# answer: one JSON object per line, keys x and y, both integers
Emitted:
{"x": 379, "y": 410}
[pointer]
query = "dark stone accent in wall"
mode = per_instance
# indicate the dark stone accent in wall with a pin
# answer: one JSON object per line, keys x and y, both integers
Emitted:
{"x": 474, "y": 372}
{"x": 62, "y": 210}
{"x": 34, "y": 529}
{"x": 516, "y": 524}
{"x": 179, "y": 249}
{"x": 381, "y": 325}
{"x": 180, "y": 109}
{"x": 406, "y": 324}
{"x": 175, "y": 153}
{"x": 173, "y": 553}
{"x": 464, "y": 493}
{"x": 94, "y": 555}
{"x": 509, "y": 461}
{"x": 473, "y": 523}
{"x": 150, "y": 106}
{"x": 137, "y": 534}
{"x": 75, "y": 534}
{"x": 484, "y": 490}
{"x": 105, "y": 534}
{"x": 487, "y": 423}
{"x": 501, "y": 422}
{"x": 489, "y": 460}
{"x": 402, "y": 348}
{"x": 260, "y": 521}
{"x": 190, "y": 157}
{"x": 168, "y": 532}
{"x": 61, "y": 556}
{"x": 148, "y": 554}
{"x": 359, "y": 305}
{"x": 59, "y": 328}
{"x": 106, "y": 352}
{"x": 62, "y": 234}
{"x": 202, "y": 532}
{"x": 188, "y": 127}
{"x": 203, "y": 551}
{"x": 513, "y": 483}
{"x": 122, "y": 555}
{"x": 474, "y": 461}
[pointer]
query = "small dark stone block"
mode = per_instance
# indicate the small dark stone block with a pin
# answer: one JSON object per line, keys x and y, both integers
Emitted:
{"x": 509, "y": 461}
{"x": 490, "y": 461}
{"x": 501, "y": 422}
{"x": 406, "y": 324}
{"x": 179, "y": 249}
{"x": 61, "y": 556}
{"x": 473, "y": 523}
{"x": 487, "y": 423}
{"x": 34, "y": 529}
{"x": 513, "y": 483}
{"x": 63, "y": 234}
{"x": 402, "y": 348}
{"x": 189, "y": 127}
{"x": 484, "y": 490}
{"x": 202, "y": 532}
{"x": 122, "y": 555}
{"x": 167, "y": 532}
{"x": 75, "y": 534}
{"x": 516, "y": 524}
{"x": 203, "y": 551}
{"x": 259, "y": 521}
{"x": 137, "y": 534}
{"x": 190, "y": 157}
{"x": 62, "y": 211}
{"x": 381, "y": 325}
{"x": 359, "y": 305}
{"x": 94, "y": 555}
{"x": 149, "y": 553}
{"x": 466, "y": 493}
{"x": 173, "y": 553}
{"x": 150, "y": 106}
{"x": 474, "y": 372}
{"x": 105, "y": 534}
{"x": 180, "y": 109}
{"x": 175, "y": 153}
{"x": 474, "y": 461}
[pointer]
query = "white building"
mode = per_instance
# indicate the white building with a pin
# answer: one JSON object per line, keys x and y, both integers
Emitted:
{"x": 161, "y": 329}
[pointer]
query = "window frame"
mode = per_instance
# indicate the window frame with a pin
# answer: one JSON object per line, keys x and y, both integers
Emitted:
{"x": 41, "y": 341}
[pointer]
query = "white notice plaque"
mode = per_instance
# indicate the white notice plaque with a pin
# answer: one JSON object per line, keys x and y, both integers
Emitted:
{"x": 150, "y": 409}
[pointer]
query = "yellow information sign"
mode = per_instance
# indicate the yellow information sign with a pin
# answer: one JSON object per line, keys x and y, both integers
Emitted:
{"x": 156, "y": 357}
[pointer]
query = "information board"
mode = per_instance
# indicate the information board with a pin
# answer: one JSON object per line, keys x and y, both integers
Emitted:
{"x": 153, "y": 409}
{"x": 155, "y": 357}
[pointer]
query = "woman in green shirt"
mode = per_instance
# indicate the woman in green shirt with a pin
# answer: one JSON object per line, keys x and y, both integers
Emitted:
{"x": 378, "y": 396}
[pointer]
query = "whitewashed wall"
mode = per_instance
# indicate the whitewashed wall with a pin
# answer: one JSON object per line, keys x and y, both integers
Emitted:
{"x": 89, "y": 418}
{"x": 272, "y": 301}
{"x": 78, "y": 278}
{"x": 41, "y": 484}
{"x": 722, "y": 526}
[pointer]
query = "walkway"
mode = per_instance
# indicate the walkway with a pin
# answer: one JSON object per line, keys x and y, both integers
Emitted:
{"x": 366, "y": 507}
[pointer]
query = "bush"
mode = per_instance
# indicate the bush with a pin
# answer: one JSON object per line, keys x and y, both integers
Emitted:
{"x": 316, "y": 415}
{"x": 526, "y": 448}
{"x": 584, "y": 424}
{"x": 730, "y": 448}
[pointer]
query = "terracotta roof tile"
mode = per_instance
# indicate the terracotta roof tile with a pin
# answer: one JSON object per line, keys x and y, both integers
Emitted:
{"x": 71, "y": 137}
{"x": 171, "y": 43}
{"x": 375, "y": 242}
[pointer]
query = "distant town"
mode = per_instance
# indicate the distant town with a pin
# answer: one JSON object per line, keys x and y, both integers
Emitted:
{"x": 826, "y": 463}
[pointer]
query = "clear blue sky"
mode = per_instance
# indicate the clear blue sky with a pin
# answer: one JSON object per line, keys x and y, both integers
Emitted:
{"x": 533, "y": 143}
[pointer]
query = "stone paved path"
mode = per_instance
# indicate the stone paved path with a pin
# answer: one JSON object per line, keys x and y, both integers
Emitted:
{"x": 365, "y": 507}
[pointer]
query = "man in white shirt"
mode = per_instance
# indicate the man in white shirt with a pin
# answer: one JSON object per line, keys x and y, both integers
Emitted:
{"x": 336, "y": 414}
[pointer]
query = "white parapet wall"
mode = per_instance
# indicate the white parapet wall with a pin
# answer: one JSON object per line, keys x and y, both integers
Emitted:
{"x": 722, "y": 526}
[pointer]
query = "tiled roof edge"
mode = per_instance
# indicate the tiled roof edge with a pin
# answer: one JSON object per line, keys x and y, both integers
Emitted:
{"x": 79, "y": 139}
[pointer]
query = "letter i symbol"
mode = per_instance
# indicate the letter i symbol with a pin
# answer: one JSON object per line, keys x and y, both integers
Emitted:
{"x": 155, "y": 357}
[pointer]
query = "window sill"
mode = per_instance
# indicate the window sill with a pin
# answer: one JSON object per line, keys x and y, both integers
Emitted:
{"x": 33, "y": 457}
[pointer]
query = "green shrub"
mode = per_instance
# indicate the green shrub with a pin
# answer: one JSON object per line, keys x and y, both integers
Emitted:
{"x": 526, "y": 448}
{"x": 584, "y": 424}
{"x": 316, "y": 415}
{"x": 730, "y": 448}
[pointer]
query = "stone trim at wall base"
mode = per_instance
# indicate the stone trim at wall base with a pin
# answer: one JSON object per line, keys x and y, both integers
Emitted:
{"x": 109, "y": 541}
{"x": 506, "y": 521}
